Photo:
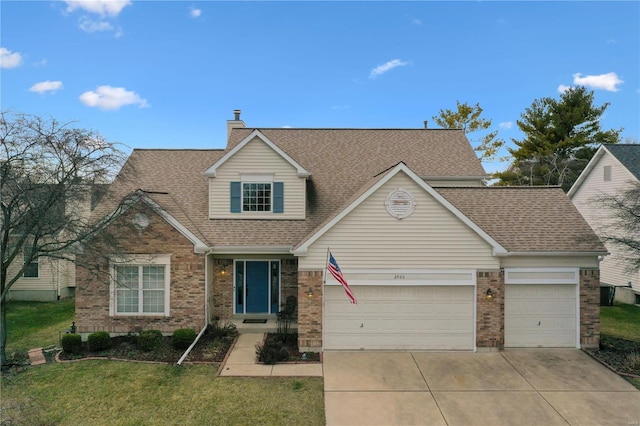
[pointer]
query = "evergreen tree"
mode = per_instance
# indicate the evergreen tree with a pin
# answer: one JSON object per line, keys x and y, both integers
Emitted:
{"x": 561, "y": 136}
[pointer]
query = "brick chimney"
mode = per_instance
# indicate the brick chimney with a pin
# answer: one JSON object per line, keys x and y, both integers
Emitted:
{"x": 236, "y": 123}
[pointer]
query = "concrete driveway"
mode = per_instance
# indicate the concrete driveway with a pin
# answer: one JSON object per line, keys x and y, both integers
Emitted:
{"x": 514, "y": 387}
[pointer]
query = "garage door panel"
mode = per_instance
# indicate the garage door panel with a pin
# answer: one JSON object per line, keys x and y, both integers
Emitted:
{"x": 540, "y": 315}
{"x": 395, "y": 317}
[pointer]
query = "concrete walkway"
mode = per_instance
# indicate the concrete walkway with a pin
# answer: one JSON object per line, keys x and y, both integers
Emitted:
{"x": 514, "y": 387}
{"x": 242, "y": 362}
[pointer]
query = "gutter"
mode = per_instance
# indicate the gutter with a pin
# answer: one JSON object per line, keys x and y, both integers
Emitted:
{"x": 184, "y": 355}
{"x": 551, "y": 253}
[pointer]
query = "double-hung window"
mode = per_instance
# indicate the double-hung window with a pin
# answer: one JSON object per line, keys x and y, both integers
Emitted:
{"x": 257, "y": 194}
{"x": 141, "y": 287}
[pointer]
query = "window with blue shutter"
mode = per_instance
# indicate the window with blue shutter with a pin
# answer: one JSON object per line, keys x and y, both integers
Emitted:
{"x": 236, "y": 197}
{"x": 278, "y": 197}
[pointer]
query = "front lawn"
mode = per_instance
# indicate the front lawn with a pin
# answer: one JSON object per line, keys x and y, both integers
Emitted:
{"x": 621, "y": 321}
{"x": 37, "y": 324}
{"x": 123, "y": 393}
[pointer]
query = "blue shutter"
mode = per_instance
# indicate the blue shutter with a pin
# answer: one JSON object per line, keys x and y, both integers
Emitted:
{"x": 236, "y": 193}
{"x": 278, "y": 197}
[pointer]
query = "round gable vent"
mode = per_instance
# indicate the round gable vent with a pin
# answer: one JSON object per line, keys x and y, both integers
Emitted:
{"x": 400, "y": 203}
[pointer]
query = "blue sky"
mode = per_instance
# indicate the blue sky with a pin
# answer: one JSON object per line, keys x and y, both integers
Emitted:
{"x": 169, "y": 74}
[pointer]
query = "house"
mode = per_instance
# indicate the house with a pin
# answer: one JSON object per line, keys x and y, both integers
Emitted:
{"x": 612, "y": 170}
{"x": 436, "y": 260}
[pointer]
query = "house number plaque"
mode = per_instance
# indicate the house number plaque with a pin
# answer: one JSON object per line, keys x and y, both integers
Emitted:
{"x": 400, "y": 203}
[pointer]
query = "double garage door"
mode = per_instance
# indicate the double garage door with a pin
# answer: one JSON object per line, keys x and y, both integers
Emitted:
{"x": 400, "y": 317}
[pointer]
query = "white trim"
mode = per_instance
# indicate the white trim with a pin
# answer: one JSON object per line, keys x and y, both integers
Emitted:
{"x": 574, "y": 280}
{"x": 552, "y": 253}
{"x": 400, "y": 167}
{"x": 256, "y": 178}
{"x": 578, "y": 345}
{"x": 406, "y": 277}
{"x": 251, "y": 250}
{"x": 211, "y": 171}
{"x": 140, "y": 260}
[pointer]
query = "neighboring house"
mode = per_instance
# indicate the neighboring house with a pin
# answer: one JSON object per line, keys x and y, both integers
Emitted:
{"x": 612, "y": 170}
{"x": 48, "y": 279}
{"x": 436, "y": 260}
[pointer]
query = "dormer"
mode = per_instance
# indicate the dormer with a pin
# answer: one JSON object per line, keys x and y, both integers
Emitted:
{"x": 257, "y": 180}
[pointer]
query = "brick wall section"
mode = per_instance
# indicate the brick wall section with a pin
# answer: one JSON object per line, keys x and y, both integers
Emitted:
{"x": 289, "y": 279}
{"x": 490, "y": 312}
{"x": 187, "y": 281}
{"x": 310, "y": 311}
{"x": 589, "y": 308}
{"x": 221, "y": 296}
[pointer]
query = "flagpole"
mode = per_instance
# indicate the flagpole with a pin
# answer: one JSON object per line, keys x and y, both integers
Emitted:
{"x": 326, "y": 265}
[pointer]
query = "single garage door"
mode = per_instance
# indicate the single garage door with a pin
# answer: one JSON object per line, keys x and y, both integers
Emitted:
{"x": 540, "y": 315}
{"x": 400, "y": 317}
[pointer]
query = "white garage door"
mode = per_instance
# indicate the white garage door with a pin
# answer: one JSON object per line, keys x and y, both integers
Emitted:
{"x": 540, "y": 315}
{"x": 400, "y": 317}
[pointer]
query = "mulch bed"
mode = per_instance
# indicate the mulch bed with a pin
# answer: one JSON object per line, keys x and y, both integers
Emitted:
{"x": 621, "y": 355}
{"x": 290, "y": 342}
{"x": 210, "y": 348}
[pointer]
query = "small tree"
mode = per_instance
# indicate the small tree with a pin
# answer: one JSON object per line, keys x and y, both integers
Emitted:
{"x": 623, "y": 231}
{"x": 48, "y": 171}
{"x": 561, "y": 136}
{"x": 468, "y": 118}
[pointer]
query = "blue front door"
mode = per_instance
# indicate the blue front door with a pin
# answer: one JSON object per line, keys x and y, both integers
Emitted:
{"x": 257, "y": 287}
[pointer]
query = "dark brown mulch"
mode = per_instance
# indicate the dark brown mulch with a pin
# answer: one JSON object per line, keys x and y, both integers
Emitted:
{"x": 622, "y": 355}
{"x": 210, "y": 348}
{"x": 291, "y": 343}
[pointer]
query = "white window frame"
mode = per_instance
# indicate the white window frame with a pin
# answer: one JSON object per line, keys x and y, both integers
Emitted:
{"x": 36, "y": 260}
{"x": 247, "y": 179}
{"x": 140, "y": 260}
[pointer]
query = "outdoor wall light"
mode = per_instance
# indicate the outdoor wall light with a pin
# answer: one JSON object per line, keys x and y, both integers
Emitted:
{"x": 489, "y": 294}
{"x": 310, "y": 293}
{"x": 224, "y": 271}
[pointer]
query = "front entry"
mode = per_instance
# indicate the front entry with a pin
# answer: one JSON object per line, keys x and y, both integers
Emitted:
{"x": 257, "y": 286}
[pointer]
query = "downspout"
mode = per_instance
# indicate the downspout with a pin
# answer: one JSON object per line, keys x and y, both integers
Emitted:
{"x": 206, "y": 308}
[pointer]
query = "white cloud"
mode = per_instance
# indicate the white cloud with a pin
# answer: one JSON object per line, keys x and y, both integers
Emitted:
{"x": 506, "y": 124}
{"x": 611, "y": 41}
{"x": 9, "y": 59}
{"x": 286, "y": 126}
{"x": 195, "y": 12}
{"x": 416, "y": 22}
{"x": 562, "y": 88}
{"x": 100, "y": 7}
{"x": 46, "y": 86}
{"x": 609, "y": 81}
{"x": 92, "y": 26}
{"x": 381, "y": 69}
{"x": 107, "y": 97}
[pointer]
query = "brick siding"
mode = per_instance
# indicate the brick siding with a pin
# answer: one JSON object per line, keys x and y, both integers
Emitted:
{"x": 490, "y": 312}
{"x": 589, "y": 308}
{"x": 310, "y": 311}
{"x": 187, "y": 281}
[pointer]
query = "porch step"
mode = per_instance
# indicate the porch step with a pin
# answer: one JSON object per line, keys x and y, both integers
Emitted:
{"x": 271, "y": 326}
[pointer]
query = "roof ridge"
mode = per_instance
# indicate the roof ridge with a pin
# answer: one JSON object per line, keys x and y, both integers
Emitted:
{"x": 178, "y": 149}
{"x": 342, "y": 128}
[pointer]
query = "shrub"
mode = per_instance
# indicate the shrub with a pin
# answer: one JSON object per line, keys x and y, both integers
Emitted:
{"x": 633, "y": 361}
{"x": 183, "y": 337}
{"x": 228, "y": 329}
{"x": 149, "y": 340}
{"x": 71, "y": 343}
{"x": 99, "y": 341}
{"x": 272, "y": 351}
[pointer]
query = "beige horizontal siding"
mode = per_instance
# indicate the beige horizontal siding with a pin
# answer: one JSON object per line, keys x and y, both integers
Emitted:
{"x": 431, "y": 238}
{"x": 256, "y": 158}
{"x": 612, "y": 269}
{"x": 52, "y": 274}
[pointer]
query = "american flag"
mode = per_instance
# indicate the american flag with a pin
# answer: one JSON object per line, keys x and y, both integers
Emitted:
{"x": 337, "y": 274}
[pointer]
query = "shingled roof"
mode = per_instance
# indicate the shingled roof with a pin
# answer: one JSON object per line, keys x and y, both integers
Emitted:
{"x": 342, "y": 162}
{"x": 526, "y": 219}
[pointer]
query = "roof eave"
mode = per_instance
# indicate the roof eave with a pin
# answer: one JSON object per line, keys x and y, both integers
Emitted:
{"x": 551, "y": 253}
{"x": 251, "y": 250}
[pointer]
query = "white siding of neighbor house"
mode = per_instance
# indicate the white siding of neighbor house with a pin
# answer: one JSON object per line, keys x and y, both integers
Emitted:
{"x": 53, "y": 275}
{"x": 612, "y": 269}
{"x": 549, "y": 262}
{"x": 431, "y": 238}
{"x": 256, "y": 157}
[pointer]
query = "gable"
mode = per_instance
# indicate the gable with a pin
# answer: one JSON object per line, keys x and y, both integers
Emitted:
{"x": 369, "y": 237}
{"x": 256, "y": 162}
{"x": 593, "y": 174}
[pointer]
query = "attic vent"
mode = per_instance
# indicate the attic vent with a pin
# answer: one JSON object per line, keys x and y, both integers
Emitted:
{"x": 400, "y": 203}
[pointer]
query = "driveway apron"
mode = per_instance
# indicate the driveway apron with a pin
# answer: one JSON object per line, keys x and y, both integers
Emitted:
{"x": 514, "y": 387}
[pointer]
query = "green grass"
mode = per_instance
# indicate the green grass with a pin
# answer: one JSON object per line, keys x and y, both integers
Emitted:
{"x": 37, "y": 324}
{"x": 121, "y": 393}
{"x": 621, "y": 321}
